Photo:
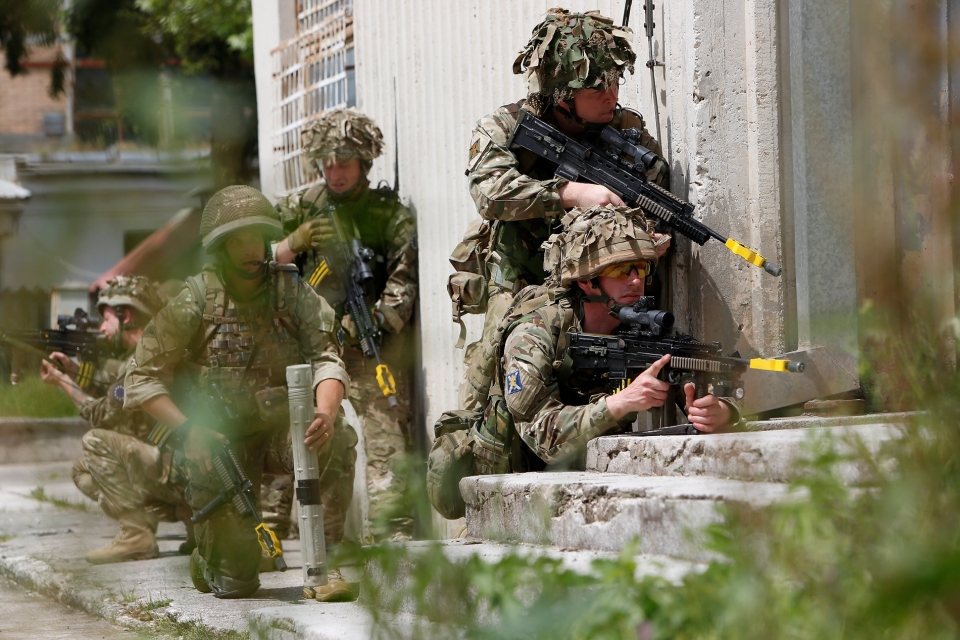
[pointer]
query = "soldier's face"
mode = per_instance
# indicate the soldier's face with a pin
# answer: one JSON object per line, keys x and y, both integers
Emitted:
{"x": 342, "y": 176}
{"x": 596, "y": 106}
{"x": 245, "y": 250}
{"x": 624, "y": 290}
{"x": 110, "y": 326}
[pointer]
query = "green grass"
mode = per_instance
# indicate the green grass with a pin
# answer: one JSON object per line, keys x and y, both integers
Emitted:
{"x": 167, "y": 628}
{"x": 34, "y": 399}
{"x": 40, "y": 494}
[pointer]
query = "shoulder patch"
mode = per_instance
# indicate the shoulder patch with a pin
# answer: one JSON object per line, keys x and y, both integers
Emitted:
{"x": 513, "y": 384}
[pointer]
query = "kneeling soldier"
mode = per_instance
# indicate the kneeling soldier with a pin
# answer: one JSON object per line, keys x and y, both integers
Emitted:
{"x": 240, "y": 323}
{"x": 120, "y": 468}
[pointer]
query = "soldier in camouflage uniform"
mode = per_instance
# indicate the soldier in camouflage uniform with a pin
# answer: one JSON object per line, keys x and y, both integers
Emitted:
{"x": 600, "y": 259}
{"x": 239, "y": 324}
{"x": 344, "y": 144}
{"x": 573, "y": 65}
{"x": 120, "y": 469}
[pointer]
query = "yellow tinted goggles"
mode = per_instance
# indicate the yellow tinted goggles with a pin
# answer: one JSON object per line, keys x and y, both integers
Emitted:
{"x": 621, "y": 271}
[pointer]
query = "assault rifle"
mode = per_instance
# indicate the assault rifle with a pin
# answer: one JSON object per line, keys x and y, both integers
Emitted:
{"x": 606, "y": 167}
{"x": 645, "y": 338}
{"x": 222, "y": 416}
{"x": 83, "y": 341}
{"x": 352, "y": 267}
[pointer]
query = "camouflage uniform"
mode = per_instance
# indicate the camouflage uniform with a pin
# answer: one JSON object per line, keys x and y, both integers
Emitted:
{"x": 382, "y": 223}
{"x": 242, "y": 348}
{"x": 517, "y": 189}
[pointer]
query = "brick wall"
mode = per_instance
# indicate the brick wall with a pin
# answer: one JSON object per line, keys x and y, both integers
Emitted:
{"x": 24, "y": 99}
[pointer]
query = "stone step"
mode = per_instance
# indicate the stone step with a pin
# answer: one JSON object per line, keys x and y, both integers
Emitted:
{"x": 605, "y": 512}
{"x": 766, "y": 456}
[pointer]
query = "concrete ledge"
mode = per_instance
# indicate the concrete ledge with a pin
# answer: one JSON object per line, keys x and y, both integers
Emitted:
{"x": 767, "y": 456}
{"x": 604, "y": 512}
{"x": 806, "y": 422}
{"x": 41, "y": 439}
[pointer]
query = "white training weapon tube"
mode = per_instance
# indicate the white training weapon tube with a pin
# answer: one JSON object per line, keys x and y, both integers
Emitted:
{"x": 306, "y": 471}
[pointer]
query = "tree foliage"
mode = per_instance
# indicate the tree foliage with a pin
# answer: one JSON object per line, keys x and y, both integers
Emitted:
{"x": 26, "y": 22}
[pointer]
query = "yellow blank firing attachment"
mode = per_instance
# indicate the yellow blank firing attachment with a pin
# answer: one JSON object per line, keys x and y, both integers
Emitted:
{"x": 777, "y": 365}
{"x": 387, "y": 384}
{"x": 263, "y": 530}
{"x": 753, "y": 257}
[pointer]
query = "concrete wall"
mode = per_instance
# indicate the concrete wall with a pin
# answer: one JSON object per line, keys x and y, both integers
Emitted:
{"x": 451, "y": 62}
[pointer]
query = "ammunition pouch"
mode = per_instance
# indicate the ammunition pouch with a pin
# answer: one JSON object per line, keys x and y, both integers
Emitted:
{"x": 451, "y": 459}
{"x": 273, "y": 405}
{"x": 467, "y": 286}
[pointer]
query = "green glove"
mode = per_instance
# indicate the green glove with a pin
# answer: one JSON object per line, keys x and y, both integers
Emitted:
{"x": 312, "y": 234}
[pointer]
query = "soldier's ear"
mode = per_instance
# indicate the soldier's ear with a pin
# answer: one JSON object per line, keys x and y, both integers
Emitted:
{"x": 587, "y": 286}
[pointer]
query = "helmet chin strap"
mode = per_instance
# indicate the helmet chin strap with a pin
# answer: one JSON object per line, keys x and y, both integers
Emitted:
{"x": 570, "y": 113}
{"x": 227, "y": 264}
{"x": 613, "y": 307}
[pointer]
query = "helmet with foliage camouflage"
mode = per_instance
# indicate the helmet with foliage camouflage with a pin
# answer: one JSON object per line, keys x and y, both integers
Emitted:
{"x": 595, "y": 238}
{"x": 572, "y": 51}
{"x": 341, "y": 135}
{"x": 237, "y": 207}
{"x": 137, "y": 292}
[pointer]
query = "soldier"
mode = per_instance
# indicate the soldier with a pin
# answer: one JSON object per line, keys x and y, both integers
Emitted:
{"x": 240, "y": 323}
{"x": 120, "y": 469}
{"x": 344, "y": 144}
{"x": 574, "y": 64}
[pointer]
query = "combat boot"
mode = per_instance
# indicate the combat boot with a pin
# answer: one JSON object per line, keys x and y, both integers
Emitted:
{"x": 136, "y": 541}
{"x": 337, "y": 589}
{"x": 183, "y": 514}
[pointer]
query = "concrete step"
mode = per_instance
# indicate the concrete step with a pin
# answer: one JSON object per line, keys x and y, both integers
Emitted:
{"x": 605, "y": 512}
{"x": 766, "y": 456}
{"x": 24, "y": 440}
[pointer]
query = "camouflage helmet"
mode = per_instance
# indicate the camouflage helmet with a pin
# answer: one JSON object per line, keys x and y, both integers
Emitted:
{"x": 137, "y": 292}
{"x": 237, "y": 207}
{"x": 595, "y": 238}
{"x": 572, "y": 51}
{"x": 340, "y": 135}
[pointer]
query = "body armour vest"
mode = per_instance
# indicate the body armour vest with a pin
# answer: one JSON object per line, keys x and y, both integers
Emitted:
{"x": 248, "y": 346}
{"x": 367, "y": 217}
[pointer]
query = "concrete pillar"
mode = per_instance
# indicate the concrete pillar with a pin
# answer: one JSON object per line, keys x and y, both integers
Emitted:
{"x": 821, "y": 149}
{"x": 266, "y": 38}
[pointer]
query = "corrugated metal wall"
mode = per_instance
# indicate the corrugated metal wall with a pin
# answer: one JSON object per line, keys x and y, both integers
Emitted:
{"x": 451, "y": 64}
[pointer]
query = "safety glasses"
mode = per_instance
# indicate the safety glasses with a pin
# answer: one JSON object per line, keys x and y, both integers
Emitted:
{"x": 621, "y": 271}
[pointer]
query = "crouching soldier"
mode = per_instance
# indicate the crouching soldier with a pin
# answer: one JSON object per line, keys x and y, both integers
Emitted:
{"x": 240, "y": 323}
{"x": 120, "y": 468}
{"x": 540, "y": 412}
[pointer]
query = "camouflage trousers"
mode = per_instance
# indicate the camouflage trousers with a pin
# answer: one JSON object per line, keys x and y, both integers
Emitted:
{"x": 125, "y": 474}
{"x": 227, "y": 542}
{"x": 386, "y": 443}
{"x": 480, "y": 357}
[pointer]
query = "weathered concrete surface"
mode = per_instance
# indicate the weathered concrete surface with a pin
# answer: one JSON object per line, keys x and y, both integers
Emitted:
{"x": 767, "y": 456}
{"x": 43, "y": 546}
{"x": 806, "y": 422}
{"x": 40, "y": 440}
{"x": 606, "y": 511}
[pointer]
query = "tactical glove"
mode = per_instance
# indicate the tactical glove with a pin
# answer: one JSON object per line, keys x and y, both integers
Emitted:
{"x": 312, "y": 234}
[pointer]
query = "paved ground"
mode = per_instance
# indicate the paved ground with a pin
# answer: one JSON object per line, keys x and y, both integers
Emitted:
{"x": 43, "y": 546}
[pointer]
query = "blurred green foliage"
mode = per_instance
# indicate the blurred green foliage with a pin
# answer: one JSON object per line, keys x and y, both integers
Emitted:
{"x": 34, "y": 399}
{"x": 879, "y": 560}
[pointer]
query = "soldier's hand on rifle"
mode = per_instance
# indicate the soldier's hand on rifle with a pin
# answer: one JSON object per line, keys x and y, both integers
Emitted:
{"x": 661, "y": 243}
{"x": 349, "y": 325}
{"x": 312, "y": 234}
{"x": 50, "y": 374}
{"x": 66, "y": 365}
{"x": 198, "y": 447}
{"x": 320, "y": 432}
{"x": 582, "y": 194}
{"x": 708, "y": 414}
{"x": 645, "y": 392}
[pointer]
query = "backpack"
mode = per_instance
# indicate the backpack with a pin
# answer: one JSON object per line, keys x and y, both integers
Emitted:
{"x": 467, "y": 286}
{"x": 482, "y": 442}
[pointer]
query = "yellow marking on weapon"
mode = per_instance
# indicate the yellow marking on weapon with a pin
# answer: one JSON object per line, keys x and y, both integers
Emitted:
{"x": 159, "y": 434}
{"x": 85, "y": 375}
{"x": 746, "y": 253}
{"x": 263, "y": 530}
{"x": 319, "y": 274}
{"x": 769, "y": 364}
{"x": 385, "y": 379}
{"x": 622, "y": 385}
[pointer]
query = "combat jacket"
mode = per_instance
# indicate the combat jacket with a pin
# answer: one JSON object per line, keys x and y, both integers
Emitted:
{"x": 382, "y": 224}
{"x": 107, "y": 412}
{"x": 207, "y": 330}
{"x": 555, "y": 411}
{"x": 519, "y": 191}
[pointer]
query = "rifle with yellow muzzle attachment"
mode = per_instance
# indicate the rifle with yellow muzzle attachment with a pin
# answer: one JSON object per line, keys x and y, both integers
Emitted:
{"x": 645, "y": 338}
{"x": 584, "y": 161}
